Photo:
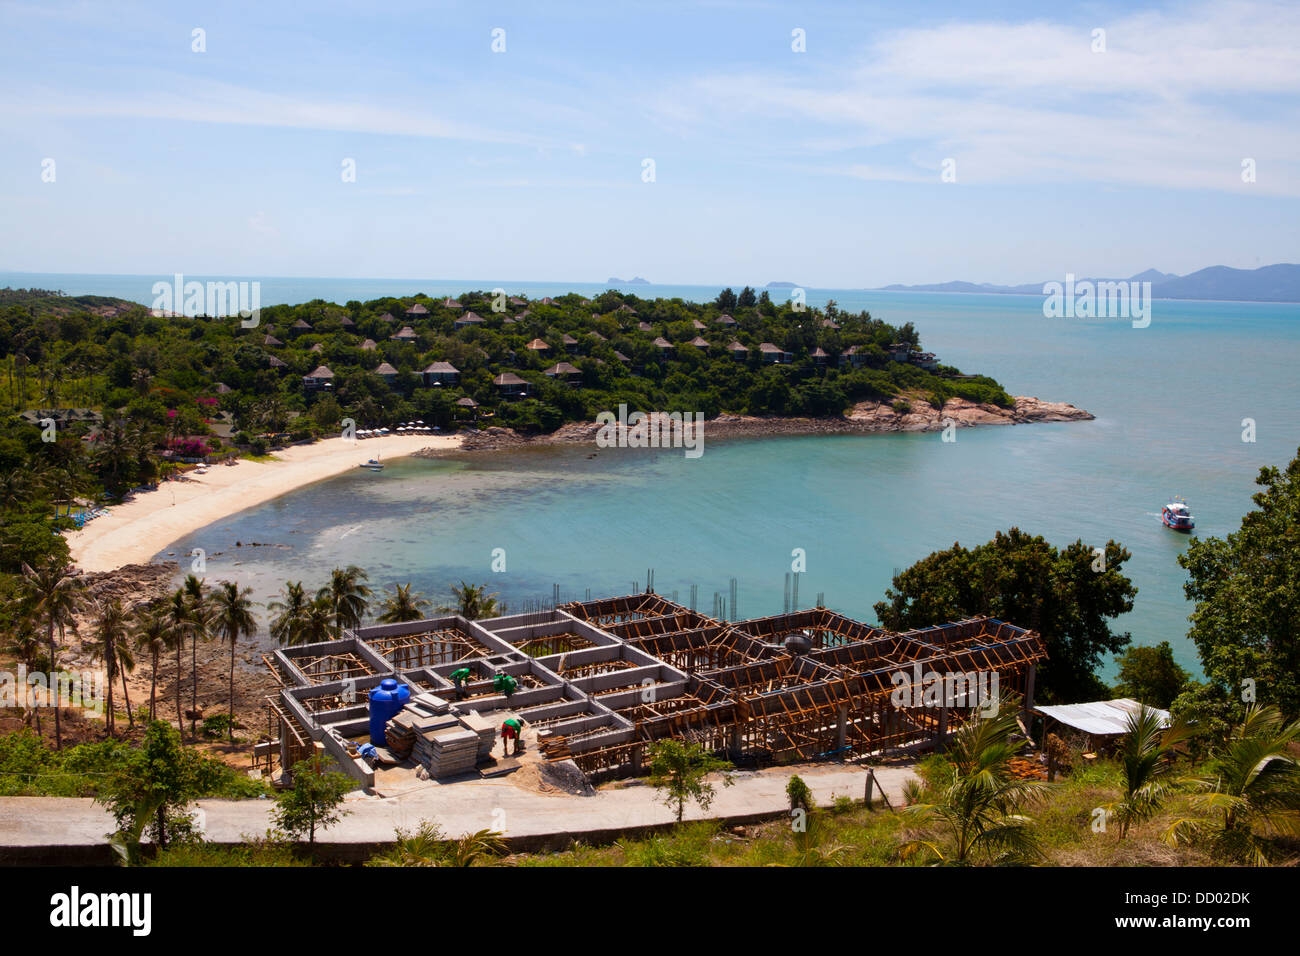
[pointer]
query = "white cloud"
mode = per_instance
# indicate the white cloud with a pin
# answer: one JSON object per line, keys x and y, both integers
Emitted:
{"x": 205, "y": 101}
{"x": 1177, "y": 100}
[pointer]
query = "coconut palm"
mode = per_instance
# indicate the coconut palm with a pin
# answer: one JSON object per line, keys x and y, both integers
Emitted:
{"x": 482, "y": 844}
{"x": 196, "y": 596}
{"x": 110, "y": 631}
{"x": 317, "y": 622}
{"x": 179, "y": 619}
{"x": 25, "y": 647}
{"x": 1147, "y": 754}
{"x": 287, "y": 625}
{"x": 53, "y": 595}
{"x": 15, "y": 488}
{"x": 114, "y": 453}
{"x": 427, "y": 847}
{"x": 125, "y": 665}
{"x": 232, "y": 618}
{"x": 64, "y": 485}
{"x": 151, "y": 634}
{"x": 981, "y": 802}
{"x": 1252, "y": 790}
{"x": 272, "y": 414}
{"x": 401, "y": 605}
{"x": 347, "y": 594}
{"x": 473, "y": 602}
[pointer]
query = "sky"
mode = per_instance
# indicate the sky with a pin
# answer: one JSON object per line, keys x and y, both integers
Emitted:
{"x": 833, "y": 145}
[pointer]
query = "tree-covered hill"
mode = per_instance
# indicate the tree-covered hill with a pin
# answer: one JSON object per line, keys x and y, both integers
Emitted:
{"x": 660, "y": 355}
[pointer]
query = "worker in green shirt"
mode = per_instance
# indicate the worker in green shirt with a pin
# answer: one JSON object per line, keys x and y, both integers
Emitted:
{"x": 505, "y": 684}
{"x": 460, "y": 678}
{"x": 512, "y": 729}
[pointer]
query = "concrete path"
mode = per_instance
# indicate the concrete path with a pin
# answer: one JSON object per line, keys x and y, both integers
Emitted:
{"x": 458, "y": 808}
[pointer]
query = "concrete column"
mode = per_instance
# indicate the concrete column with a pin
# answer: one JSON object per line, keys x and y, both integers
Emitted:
{"x": 284, "y": 748}
{"x": 842, "y": 726}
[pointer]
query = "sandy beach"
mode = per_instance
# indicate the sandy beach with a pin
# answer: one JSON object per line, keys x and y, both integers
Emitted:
{"x": 133, "y": 532}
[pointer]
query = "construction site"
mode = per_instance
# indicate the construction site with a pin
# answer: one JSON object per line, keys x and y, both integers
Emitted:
{"x": 597, "y": 682}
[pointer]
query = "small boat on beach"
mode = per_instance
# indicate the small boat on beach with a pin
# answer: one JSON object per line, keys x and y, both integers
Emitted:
{"x": 372, "y": 465}
{"x": 1176, "y": 515}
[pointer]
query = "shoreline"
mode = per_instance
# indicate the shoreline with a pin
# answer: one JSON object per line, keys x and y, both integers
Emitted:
{"x": 133, "y": 532}
{"x": 137, "y": 529}
{"x": 866, "y": 418}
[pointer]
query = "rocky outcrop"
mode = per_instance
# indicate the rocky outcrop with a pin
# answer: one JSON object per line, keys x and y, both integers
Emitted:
{"x": 920, "y": 416}
{"x": 135, "y": 584}
{"x": 864, "y": 418}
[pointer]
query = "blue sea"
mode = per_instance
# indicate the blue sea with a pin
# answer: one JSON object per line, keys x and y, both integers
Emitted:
{"x": 1170, "y": 401}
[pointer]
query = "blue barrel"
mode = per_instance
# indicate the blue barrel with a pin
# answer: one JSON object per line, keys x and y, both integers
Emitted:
{"x": 386, "y": 702}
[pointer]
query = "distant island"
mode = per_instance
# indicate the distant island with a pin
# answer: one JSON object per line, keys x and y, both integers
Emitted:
{"x": 1275, "y": 283}
{"x": 635, "y": 280}
{"x": 782, "y": 285}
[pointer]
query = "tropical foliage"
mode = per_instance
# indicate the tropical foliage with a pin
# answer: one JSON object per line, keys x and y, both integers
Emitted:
{"x": 1067, "y": 595}
{"x": 978, "y": 808}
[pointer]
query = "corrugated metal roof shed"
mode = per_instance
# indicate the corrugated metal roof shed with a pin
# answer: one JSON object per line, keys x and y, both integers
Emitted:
{"x": 1101, "y": 717}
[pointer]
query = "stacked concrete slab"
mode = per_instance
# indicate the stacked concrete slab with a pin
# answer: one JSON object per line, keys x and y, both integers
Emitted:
{"x": 447, "y": 753}
{"x": 484, "y": 728}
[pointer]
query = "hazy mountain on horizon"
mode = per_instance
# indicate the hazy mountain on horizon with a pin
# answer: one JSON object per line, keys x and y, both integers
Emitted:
{"x": 1275, "y": 283}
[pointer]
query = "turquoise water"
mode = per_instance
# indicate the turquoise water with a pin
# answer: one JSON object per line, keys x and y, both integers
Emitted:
{"x": 1169, "y": 401}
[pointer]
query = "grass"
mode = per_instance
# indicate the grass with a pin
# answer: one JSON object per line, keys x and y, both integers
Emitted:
{"x": 254, "y": 853}
{"x": 848, "y": 834}
{"x": 30, "y": 767}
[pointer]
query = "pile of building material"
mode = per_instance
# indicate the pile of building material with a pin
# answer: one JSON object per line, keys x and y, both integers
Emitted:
{"x": 405, "y": 731}
{"x": 446, "y": 753}
{"x": 486, "y": 730}
{"x": 400, "y": 734}
{"x": 431, "y": 703}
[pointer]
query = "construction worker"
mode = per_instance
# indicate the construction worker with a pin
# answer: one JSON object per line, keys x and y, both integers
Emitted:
{"x": 512, "y": 729}
{"x": 460, "y": 678}
{"x": 505, "y": 684}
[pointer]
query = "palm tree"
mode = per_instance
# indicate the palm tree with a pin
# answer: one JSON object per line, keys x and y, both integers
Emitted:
{"x": 980, "y": 805}
{"x": 1147, "y": 762}
{"x": 197, "y": 598}
{"x": 272, "y": 414}
{"x": 179, "y": 619}
{"x": 151, "y": 633}
{"x": 26, "y": 649}
{"x": 473, "y": 602}
{"x": 114, "y": 453}
{"x": 1252, "y": 791}
{"x": 347, "y": 594}
{"x": 110, "y": 627}
{"x": 64, "y": 485}
{"x": 53, "y": 594}
{"x": 232, "y": 618}
{"x": 401, "y": 605}
{"x": 125, "y": 665}
{"x": 287, "y": 625}
{"x": 15, "y": 488}
{"x": 427, "y": 847}
{"x": 317, "y": 622}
